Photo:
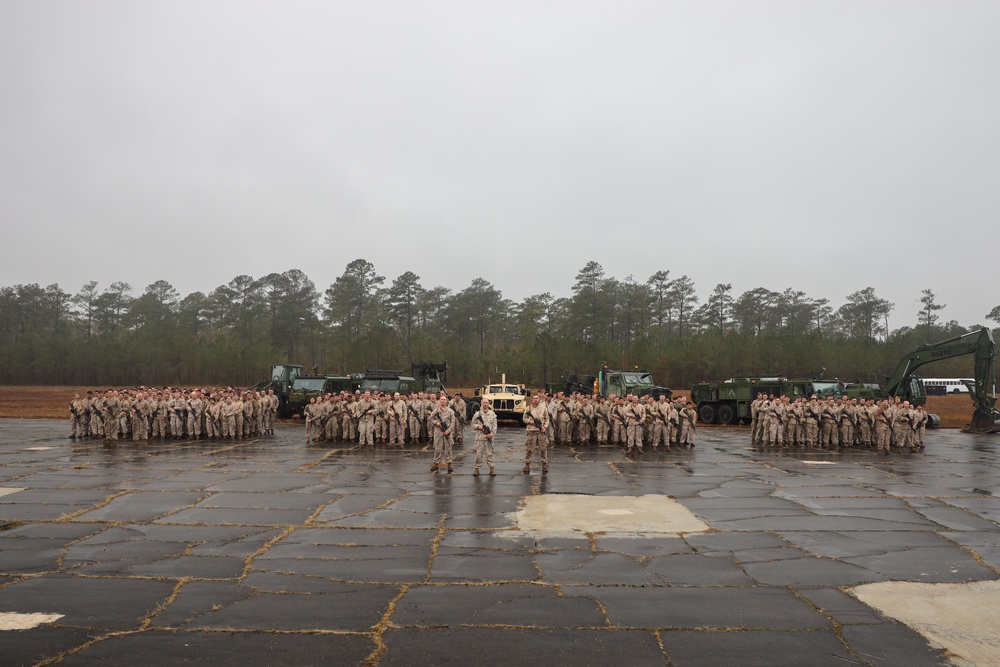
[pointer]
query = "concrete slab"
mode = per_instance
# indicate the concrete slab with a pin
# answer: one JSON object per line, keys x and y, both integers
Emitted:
{"x": 353, "y": 608}
{"x": 619, "y": 515}
{"x": 228, "y": 540}
{"x": 721, "y": 608}
{"x": 100, "y": 604}
{"x": 962, "y": 618}
{"x": 514, "y": 646}
{"x": 501, "y": 604}
{"x": 482, "y": 565}
{"x": 766, "y": 648}
{"x": 158, "y": 648}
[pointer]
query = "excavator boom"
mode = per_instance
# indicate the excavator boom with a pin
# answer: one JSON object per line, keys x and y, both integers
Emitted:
{"x": 985, "y": 418}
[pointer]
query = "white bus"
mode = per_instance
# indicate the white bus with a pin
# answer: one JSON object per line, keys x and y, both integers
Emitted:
{"x": 942, "y": 386}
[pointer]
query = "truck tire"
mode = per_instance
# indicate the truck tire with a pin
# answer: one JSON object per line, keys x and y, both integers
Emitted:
{"x": 706, "y": 413}
{"x": 727, "y": 415}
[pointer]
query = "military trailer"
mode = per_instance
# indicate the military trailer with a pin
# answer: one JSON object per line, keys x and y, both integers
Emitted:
{"x": 729, "y": 401}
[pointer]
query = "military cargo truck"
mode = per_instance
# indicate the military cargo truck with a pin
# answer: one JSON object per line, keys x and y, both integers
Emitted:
{"x": 607, "y": 382}
{"x": 729, "y": 401}
{"x": 426, "y": 377}
{"x": 280, "y": 379}
{"x": 305, "y": 387}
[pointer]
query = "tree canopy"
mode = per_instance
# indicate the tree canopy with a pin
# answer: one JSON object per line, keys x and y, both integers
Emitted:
{"x": 231, "y": 334}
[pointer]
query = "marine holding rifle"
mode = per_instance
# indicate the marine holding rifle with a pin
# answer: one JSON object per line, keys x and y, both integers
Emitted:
{"x": 485, "y": 423}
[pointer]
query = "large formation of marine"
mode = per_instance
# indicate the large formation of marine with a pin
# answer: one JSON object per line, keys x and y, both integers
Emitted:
{"x": 837, "y": 423}
{"x": 369, "y": 418}
{"x": 142, "y": 414}
{"x": 631, "y": 422}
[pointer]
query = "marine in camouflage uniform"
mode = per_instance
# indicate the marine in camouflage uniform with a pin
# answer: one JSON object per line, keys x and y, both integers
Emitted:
{"x": 634, "y": 413}
{"x": 485, "y": 424}
{"x": 602, "y": 415}
{"x": 398, "y": 415}
{"x": 459, "y": 408}
{"x": 688, "y": 418}
{"x": 442, "y": 420}
{"x": 587, "y": 416}
{"x": 536, "y": 418}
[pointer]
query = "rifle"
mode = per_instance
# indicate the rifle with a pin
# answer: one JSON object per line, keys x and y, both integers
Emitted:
{"x": 616, "y": 412}
{"x": 439, "y": 423}
{"x": 534, "y": 422}
{"x": 691, "y": 421}
{"x": 486, "y": 429}
{"x": 362, "y": 415}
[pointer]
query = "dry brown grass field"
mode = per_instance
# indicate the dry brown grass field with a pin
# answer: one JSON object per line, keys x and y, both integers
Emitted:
{"x": 53, "y": 403}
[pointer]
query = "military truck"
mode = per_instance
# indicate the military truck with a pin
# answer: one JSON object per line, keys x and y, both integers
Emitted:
{"x": 729, "y": 401}
{"x": 305, "y": 387}
{"x": 508, "y": 400}
{"x": 280, "y": 379}
{"x": 607, "y": 382}
{"x": 429, "y": 377}
{"x": 426, "y": 377}
{"x": 388, "y": 382}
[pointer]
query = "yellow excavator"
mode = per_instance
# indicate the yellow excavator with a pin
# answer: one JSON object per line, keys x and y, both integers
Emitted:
{"x": 985, "y": 417}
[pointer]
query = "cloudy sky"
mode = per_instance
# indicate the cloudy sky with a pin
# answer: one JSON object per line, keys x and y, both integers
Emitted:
{"x": 826, "y": 146}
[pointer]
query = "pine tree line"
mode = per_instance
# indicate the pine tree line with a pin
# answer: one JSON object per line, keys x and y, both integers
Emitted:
{"x": 231, "y": 335}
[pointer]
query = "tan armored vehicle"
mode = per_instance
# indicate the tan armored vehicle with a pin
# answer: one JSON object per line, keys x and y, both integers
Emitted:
{"x": 509, "y": 400}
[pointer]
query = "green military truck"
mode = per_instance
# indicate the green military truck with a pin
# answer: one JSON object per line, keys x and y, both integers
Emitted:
{"x": 425, "y": 377}
{"x": 608, "y": 381}
{"x": 280, "y": 379}
{"x": 729, "y": 401}
{"x": 305, "y": 387}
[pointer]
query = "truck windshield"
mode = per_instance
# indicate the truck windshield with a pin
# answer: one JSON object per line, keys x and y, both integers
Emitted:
{"x": 309, "y": 385}
{"x": 637, "y": 378}
{"x": 826, "y": 388}
{"x": 380, "y": 385}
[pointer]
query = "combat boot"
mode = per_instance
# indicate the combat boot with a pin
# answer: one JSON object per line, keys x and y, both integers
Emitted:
{"x": 450, "y": 468}
{"x": 493, "y": 473}
{"x": 475, "y": 472}
{"x": 434, "y": 467}
{"x": 527, "y": 468}
{"x": 545, "y": 469}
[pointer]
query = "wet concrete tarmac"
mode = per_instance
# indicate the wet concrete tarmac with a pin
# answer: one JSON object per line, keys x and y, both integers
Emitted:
{"x": 277, "y": 552}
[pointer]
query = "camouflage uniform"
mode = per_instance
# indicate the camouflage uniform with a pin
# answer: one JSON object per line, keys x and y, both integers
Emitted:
{"x": 485, "y": 424}
{"x": 536, "y": 418}
{"x": 634, "y": 413}
{"x": 442, "y": 420}
{"x": 398, "y": 415}
{"x": 365, "y": 409}
{"x": 688, "y": 418}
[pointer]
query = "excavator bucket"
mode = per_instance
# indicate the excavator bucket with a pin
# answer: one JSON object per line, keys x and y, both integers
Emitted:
{"x": 984, "y": 422}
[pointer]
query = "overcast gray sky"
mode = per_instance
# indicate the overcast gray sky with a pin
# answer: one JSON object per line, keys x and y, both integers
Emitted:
{"x": 825, "y": 146}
